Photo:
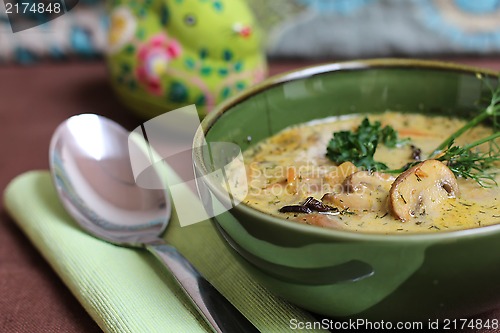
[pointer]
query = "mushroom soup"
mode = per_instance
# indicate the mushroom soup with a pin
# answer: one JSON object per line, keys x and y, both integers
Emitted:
{"x": 290, "y": 175}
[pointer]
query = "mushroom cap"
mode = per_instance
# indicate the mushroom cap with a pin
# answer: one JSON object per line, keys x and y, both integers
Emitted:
{"x": 421, "y": 188}
{"x": 362, "y": 191}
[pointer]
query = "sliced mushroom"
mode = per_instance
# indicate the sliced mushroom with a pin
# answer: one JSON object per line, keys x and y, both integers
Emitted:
{"x": 362, "y": 180}
{"x": 339, "y": 174}
{"x": 362, "y": 191}
{"x": 421, "y": 188}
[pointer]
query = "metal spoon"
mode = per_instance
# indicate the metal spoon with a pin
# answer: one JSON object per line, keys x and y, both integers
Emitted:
{"x": 91, "y": 170}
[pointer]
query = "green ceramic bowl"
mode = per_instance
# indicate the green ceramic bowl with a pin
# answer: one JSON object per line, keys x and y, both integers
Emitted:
{"x": 345, "y": 274}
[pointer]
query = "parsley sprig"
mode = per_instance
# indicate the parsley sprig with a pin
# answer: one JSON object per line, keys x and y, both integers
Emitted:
{"x": 359, "y": 146}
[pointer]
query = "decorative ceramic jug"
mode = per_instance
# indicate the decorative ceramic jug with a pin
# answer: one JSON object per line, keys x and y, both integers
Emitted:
{"x": 165, "y": 54}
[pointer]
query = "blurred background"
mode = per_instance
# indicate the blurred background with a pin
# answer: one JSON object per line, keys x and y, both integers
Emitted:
{"x": 308, "y": 29}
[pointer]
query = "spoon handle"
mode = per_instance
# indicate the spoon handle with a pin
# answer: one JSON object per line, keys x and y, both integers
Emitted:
{"x": 222, "y": 316}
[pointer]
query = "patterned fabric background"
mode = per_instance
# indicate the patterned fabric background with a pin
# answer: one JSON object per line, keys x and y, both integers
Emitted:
{"x": 360, "y": 28}
{"x": 81, "y": 32}
{"x": 297, "y": 28}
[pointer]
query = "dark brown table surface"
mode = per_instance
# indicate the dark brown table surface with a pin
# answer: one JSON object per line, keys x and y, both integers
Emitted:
{"x": 33, "y": 101}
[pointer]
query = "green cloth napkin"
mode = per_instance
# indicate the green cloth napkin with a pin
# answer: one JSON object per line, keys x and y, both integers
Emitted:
{"x": 128, "y": 290}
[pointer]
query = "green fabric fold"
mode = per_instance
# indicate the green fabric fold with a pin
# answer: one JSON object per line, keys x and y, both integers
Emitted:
{"x": 128, "y": 290}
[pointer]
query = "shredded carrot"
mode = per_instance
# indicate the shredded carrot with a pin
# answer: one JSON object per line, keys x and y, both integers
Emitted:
{"x": 291, "y": 180}
{"x": 414, "y": 132}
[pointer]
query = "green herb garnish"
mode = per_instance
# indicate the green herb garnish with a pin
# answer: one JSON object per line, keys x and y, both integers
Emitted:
{"x": 464, "y": 161}
{"x": 467, "y": 161}
{"x": 359, "y": 147}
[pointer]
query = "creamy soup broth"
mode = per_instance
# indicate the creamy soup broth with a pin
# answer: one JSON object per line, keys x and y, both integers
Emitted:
{"x": 291, "y": 166}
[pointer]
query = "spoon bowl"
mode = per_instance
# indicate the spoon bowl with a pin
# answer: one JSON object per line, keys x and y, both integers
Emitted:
{"x": 91, "y": 170}
{"x": 94, "y": 179}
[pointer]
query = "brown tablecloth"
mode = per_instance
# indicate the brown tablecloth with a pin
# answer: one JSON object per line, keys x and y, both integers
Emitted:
{"x": 33, "y": 101}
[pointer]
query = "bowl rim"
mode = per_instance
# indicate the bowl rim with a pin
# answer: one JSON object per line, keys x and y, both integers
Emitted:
{"x": 329, "y": 67}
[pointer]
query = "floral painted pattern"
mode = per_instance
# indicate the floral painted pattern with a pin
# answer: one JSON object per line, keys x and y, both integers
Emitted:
{"x": 122, "y": 28}
{"x": 478, "y": 6}
{"x": 379, "y": 28}
{"x": 293, "y": 28}
{"x": 153, "y": 60}
{"x": 178, "y": 52}
{"x": 344, "y": 7}
{"x": 474, "y": 25}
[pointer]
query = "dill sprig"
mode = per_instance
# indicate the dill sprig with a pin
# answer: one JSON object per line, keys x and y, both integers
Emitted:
{"x": 468, "y": 161}
{"x": 492, "y": 111}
